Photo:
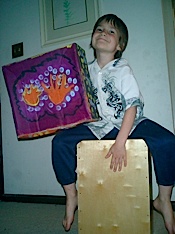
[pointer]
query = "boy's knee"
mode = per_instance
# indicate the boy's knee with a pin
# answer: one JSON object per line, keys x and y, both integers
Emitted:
{"x": 56, "y": 140}
{"x": 167, "y": 143}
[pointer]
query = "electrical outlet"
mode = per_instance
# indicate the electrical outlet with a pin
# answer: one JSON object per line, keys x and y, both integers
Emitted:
{"x": 17, "y": 50}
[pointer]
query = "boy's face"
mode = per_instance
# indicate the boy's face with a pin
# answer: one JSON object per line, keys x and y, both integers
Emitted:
{"x": 106, "y": 38}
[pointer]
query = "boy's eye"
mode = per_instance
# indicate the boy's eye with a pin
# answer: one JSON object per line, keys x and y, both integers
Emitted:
{"x": 99, "y": 29}
{"x": 112, "y": 31}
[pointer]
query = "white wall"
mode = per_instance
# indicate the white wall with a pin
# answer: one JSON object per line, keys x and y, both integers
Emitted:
{"x": 27, "y": 164}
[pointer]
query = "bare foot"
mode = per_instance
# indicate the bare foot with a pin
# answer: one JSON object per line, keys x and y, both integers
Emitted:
{"x": 165, "y": 209}
{"x": 71, "y": 206}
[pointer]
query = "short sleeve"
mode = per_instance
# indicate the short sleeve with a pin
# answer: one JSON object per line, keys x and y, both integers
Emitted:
{"x": 130, "y": 90}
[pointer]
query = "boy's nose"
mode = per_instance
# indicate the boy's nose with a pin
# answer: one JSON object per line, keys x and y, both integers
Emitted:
{"x": 104, "y": 32}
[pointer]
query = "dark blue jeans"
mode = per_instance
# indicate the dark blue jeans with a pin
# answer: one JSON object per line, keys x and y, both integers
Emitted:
{"x": 159, "y": 140}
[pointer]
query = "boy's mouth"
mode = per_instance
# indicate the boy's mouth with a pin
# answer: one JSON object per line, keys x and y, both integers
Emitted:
{"x": 102, "y": 38}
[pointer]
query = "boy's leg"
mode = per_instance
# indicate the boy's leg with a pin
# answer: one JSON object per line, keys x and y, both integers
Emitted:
{"x": 163, "y": 204}
{"x": 161, "y": 143}
{"x": 64, "y": 163}
{"x": 64, "y": 150}
{"x": 71, "y": 205}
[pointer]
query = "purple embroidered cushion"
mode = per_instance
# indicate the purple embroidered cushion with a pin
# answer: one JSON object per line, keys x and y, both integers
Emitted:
{"x": 50, "y": 92}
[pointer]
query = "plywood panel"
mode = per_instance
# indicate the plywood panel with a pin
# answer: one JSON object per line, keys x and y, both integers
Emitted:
{"x": 113, "y": 202}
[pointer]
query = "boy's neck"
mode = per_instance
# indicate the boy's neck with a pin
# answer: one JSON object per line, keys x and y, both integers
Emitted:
{"x": 103, "y": 59}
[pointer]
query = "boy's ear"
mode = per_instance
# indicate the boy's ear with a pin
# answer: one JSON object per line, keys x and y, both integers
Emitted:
{"x": 119, "y": 47}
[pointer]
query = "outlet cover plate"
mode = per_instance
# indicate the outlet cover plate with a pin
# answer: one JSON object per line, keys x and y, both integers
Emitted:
{"x": 17, "y": 50}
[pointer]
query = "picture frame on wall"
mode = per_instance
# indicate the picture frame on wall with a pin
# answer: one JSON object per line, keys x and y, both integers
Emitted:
{"x": 63, "y": 20}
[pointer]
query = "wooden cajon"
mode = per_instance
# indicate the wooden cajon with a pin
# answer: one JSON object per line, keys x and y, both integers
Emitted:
{"x": 113, "y": 202}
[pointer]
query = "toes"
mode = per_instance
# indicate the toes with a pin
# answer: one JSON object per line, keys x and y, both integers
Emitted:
{"x": 67, "y": 224}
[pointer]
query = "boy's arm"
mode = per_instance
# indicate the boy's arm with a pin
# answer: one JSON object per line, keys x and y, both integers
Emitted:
{"x": 117, "y": 150}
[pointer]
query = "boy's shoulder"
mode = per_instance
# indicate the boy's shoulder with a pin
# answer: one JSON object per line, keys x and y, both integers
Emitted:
{"x": 119, "y": 63}
{"x": 123, "y": 65}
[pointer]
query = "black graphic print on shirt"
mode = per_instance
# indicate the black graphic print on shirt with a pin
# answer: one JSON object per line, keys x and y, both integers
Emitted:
{"x": 114, "y": 99}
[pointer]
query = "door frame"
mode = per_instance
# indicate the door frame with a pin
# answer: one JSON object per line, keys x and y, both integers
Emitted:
{"x": 168, "y": 11}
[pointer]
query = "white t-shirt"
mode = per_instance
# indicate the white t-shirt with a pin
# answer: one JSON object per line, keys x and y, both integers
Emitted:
{"x": 116, "y": 89}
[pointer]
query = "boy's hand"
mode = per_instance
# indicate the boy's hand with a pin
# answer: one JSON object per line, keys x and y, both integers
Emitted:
{"x": 119, "y": 157}
{"x": 118, "y": 150}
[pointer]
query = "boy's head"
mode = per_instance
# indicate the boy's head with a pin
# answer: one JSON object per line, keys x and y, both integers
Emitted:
{"x": 121, "y": 28}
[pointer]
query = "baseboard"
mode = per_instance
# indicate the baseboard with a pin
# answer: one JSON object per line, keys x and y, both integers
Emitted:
{"x": 46, "y": 199}
{"x": 61, "y": 200}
